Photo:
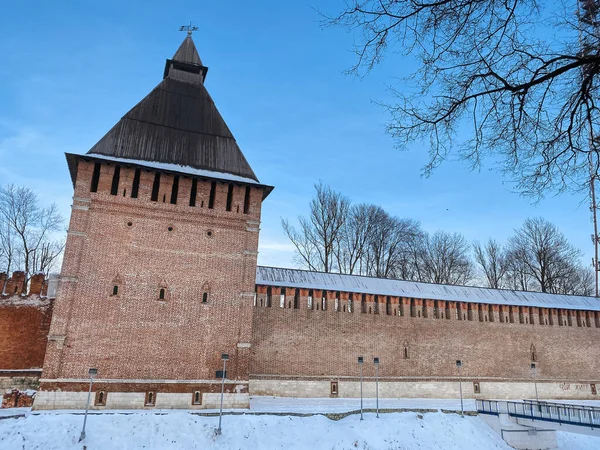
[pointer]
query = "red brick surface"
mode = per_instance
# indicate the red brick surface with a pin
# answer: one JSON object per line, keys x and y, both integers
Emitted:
{"x": 298, "y": 343}
{"x": 135, "y": 335}
{"x": 23, "y": 331}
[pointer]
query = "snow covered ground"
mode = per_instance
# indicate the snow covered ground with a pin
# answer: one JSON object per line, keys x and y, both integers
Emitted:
{"x": 186, "y": 430}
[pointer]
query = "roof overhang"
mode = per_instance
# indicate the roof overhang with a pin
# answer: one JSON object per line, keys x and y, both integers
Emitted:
{"x": 73, "y": 159}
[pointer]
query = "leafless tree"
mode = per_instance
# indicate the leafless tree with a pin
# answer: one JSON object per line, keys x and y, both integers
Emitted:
{"x": 491, "y": 259}
{"x": 543, "y": 254}
{"x": 444, "y": 258}
{"x": 354, "y": 237}
{"x": 28, "y": 228}
{"x": 493, "y": 70}
{"x": 389, "y": 244}
{"x": 319, "y": 234}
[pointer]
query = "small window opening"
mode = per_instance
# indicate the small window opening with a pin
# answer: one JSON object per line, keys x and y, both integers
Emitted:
{"x": 334, "y": 388}
{"x": 115, "y": 181}
{"x": 161, "y": 294}
{"x": 476, "y": 387}
{"x": 170, "y": 228}
{"x": 175, "y": 190}
{"x": 136, "y": 184}
{"x": 129, "y": 224}
{"x": 194, "y": 192}
{"x": 593, "y": 389}
{"x": 205, "y": 297}
{"x": 229, "y": 197}
{"x": 115, "y": 290}
{"x": 100, "y": 398}
{"x": 155, "y": 187}
{"x": 297, "y": 299}
{"x": 197, "y": 398}
{"x": 247, "y": 200}
{"x": 237, "y": 209}
{"x": 201, "y": 203}
{"x": 95, "y": 178}
{"x": 405, "y": 352}
{"x": 164, "y": 198}
{"x": 150, "y": 398}
{"x": 211, "y": 198}
{"x": 124, "y": 192}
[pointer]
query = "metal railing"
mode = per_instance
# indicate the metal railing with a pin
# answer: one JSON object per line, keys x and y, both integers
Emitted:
{"x": 544, "y": 411}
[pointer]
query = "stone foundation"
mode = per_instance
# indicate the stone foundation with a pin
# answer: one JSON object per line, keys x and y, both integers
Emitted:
{"x": 421, "y": 389}
{"x": 46, "y": 400}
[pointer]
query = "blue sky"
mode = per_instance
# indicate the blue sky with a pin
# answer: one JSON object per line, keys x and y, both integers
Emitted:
{"x": 70, "y": 70}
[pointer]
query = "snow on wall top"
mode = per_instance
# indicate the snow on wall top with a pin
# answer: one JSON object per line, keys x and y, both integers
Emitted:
{"x": 275, "y": 276}
{"x": 177, "y": 168}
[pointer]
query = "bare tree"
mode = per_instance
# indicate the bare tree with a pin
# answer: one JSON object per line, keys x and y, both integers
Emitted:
{"x": 492, "y": 261}
{"x": 493, "y": 70}
{"x": 388, "y": 245}
{"x": 543, "y": 253}
{"x": 444, "y": 258}
{"x": 354, "y": 237}
{"x": 27, "y": 228}
{"x": 319, "y": 234}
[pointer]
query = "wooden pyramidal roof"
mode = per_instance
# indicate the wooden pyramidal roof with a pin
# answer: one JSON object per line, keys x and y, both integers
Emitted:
{"x": 177, "y": 123}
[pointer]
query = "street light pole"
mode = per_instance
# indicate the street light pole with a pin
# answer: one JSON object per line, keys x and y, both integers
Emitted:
{"x": 459, "y": 365}
{"x": 360, "y": 364}
{"x": 534, "y": 373}
{"x": 376, "y": 362}
{"x": 225, "y": 358}
{"x": 92, "y": 373}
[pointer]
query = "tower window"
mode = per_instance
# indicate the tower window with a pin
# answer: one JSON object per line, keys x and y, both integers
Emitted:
{"x": 95, "y": 178}
{"x": 197, "y": 398}
{"x": 476, "y": 387}
{"x": 205, "y": 297}
{"x": 211, "y": 198}
{"x": 150, "y": 399}
{"x": 247, "y": 200}
{"x": 100, "y": 399}
{"x": 115, "y": 181}
{"x": 115, "y": 290}
{"x": 174, "y": 190}
{"x": 334, "y": 388}
{"x": 161, "y": 294}
{"x": 193, "y": 192}
{"x": 136, "y": 184}
{"x": 155, "y": 187}
{"x": 229, "y": 197}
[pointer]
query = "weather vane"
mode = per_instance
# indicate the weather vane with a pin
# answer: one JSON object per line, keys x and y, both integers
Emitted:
{"x": 189, "y": 28}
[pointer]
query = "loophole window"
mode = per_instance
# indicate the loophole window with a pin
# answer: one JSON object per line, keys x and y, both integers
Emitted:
{"x": 197, "y": 398}
{"x": 161, "y": 294}
{"x": 100, "y": 399}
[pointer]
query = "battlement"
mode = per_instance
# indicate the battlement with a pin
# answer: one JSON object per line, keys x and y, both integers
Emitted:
{"x": 16, "y": 285}
{"x": 149, "y": 186}
{"x": 338, "y": 302}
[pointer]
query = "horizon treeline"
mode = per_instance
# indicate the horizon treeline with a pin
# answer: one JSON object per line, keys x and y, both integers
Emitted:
{"x": 364, "y": 239}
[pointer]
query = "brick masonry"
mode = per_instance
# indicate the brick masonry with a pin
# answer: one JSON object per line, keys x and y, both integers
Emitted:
{"x": 143, "y": 248}
{"x": 418, "y": 341}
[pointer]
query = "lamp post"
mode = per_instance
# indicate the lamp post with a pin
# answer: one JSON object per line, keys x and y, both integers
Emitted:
{"x": 376, "y": 362}
{"x": 534, "y": 374}
{"x": 92, "y": 373}
{"x": 459, "y": 366}
{"x": 360, "y": 364}
{"x": 225, "y": 358}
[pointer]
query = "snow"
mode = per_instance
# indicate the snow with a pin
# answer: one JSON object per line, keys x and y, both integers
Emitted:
{"x": 186, "y": 430}
{"x": 276, "y": 276}
{"x": 176, "y": 168}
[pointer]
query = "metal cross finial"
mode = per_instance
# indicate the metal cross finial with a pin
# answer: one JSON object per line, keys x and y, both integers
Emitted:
{"x": 189, "y": 28}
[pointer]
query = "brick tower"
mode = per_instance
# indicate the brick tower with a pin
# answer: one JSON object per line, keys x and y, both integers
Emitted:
{"x": 160, "y": 263}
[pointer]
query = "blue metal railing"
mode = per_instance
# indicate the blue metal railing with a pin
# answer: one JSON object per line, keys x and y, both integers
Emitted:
{"x": 544, "y": 411}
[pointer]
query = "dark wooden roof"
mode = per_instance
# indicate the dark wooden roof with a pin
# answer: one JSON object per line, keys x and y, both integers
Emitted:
{"x": 177, "y": 123}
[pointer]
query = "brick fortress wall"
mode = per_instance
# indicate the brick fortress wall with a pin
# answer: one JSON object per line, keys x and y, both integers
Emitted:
{"x": 299, "y": 351}
{"x": 24, "y": 322}
{"x": 121, "y": 253}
